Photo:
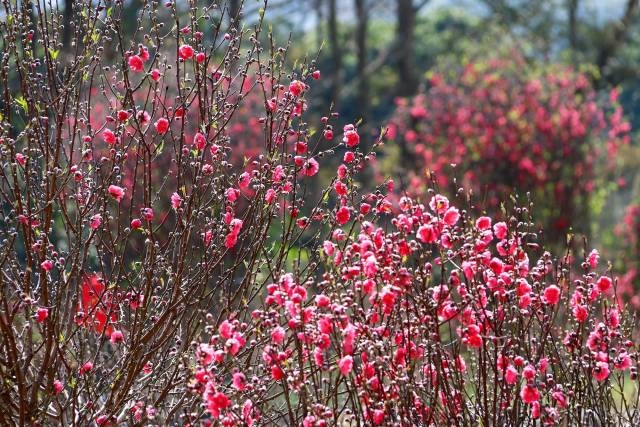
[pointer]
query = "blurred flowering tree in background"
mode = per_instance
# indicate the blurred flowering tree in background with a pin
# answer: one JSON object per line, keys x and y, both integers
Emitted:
{"x": 502, "y": 131}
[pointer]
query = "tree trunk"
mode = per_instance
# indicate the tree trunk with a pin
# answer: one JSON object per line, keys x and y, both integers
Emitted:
{"x": 362, "y": 16}
{"x": 572, "y": 10}
{"x": 66, "y": 31}
{"x": 336, "y": 54}
{"x": 317, "y": 7}
{"x": 408, "y": 80}
{"x": 234, "y": 12}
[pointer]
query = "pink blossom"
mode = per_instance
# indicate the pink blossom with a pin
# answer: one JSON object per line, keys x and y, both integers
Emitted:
{"x": 342, "y": 171}
{"x": 176, "y": 200}
{"x": 529, "y": 394}
{"x": 200, "y": 141}
{"x": 378, "y": 417}
{"x": 351, "y": 137}
{"x": 116, "y": 192}
{"x": 529, "y": 372}
{"x": 239, "y": 381}
{"x": 155, "y": 74}
{"x": 560, "y": 398}
{"x": 278, "y": 174}
{"x": 311, "y": 167}
{"x": 102, "y": 419}
{"x": 136, "y": 223}
{"x": 225, "y": 329}
{"x": 58, "y": 386}
{"x": 144, "y": 53}
{"x": 244, "y": 180}
{"x": 147, "y": 214}
{"x": 500, "y": 229}
{"x": 21, "y": 159}
{"x": 185, "y": 52}
{"x": 162, "y": 125}
{"x": 247, "y": 409}
{"x": 123, "y": 115}
{"x": 116, "y": 337}
{"x": 206, "y": 353}
{"x": 340, "y": 188}
{"x": 343, "y": 215}
{"x": 328, "y": 248}
{"x": 593, "y": 258}
{"x": 95, "y": 221}
{"x": 277, "y": 335}
{"x": 87, "y": 367}
{"x": 439, "y": 204}
{"x": 551, "y": 294}
{"x": 230, "y": 240}
{"x": 483, "y": 223}
{"x": 511, "y": 375}
{"x": 296, "y": 87}
{"x": 322, "y": 300}
{"x": 427, "y": 234}
{"x": 136, "y": 64}
{"x": 232, "y": 194}
{"x": 622, "y": 361}
{"x": 349, "y": 157}
{"x": 41, "y": 314}
{"x": 200, "y": 57}
{"x": 601, "y": 371}
{"x": 301, "y": 147}
{"x": 109, "y": 137}
{"x": 47, "y": 265}
{"x": 451, "y": 216}
{"x": 236, "y": 225}
{"x": 604, "y": 283}
{"x": 346, "y": 365}
{"x": 217, "y": 402}
{"x": 277, "y": 373}
{"x": 143, "y": 117}
{"x": 535, "y": 410}
{"x": 270, "y": 195}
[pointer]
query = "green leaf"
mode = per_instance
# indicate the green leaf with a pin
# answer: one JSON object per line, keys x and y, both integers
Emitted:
{"x": 54, "y": 54}
{"x": 22, "y": 103}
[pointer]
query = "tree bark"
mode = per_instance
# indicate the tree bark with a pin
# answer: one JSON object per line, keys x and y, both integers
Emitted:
{"x": 406, "y": 21}
{"x": 336, "y": 54}
{"x": 317, "y": 8}
{"x": 234, "y": 12}
{"x": 572, "y": 11}
{"x": 362, "y": 16}
{"x": 67, "y": 17}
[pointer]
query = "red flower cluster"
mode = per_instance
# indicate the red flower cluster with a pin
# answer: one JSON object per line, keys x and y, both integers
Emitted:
{"x": 508, "y": 132}
{"x": 96, "y": 307}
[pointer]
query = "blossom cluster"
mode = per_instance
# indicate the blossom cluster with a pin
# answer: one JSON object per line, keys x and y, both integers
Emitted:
{"x": 441, "y": 319}
{"x": 501, "y": 132}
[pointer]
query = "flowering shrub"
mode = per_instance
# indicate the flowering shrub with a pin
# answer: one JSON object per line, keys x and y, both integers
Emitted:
{"x": 152, "y": 275}
{"x": 443, "y": 319}
{"x": 128, "y": 208}
{"x": 627, "y": 251}
{"x": 510, "y": 132}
